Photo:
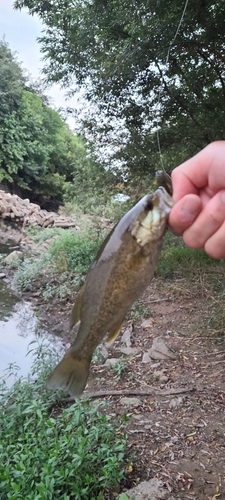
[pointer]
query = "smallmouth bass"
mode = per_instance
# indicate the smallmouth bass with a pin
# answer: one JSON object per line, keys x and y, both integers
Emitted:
{"x": 119, "y": 274}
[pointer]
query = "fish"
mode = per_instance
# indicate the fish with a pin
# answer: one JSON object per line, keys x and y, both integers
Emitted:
{"x": 163, "y": 179}
{"x": 119, "y": 274}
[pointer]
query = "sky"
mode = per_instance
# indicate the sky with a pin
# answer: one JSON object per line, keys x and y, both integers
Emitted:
{"x": 21, "y": 32}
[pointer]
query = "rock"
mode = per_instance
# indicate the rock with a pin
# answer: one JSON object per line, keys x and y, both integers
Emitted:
{"x": 130, "y": 401}
{"x": 155, "y": 365}
{"x": 147, "y": 323}
{"x": 111, "y": 362}
{"x": 126, "y": 336}
{"x": 128, "y": 350}
{"x": 12, "y": 258}
{"x": 146, "y": 358}
{"x": 159, "y": 350}
{"x": 159, "y": 375}
{"x": 2, "y": 275}
{"x": 24, "y": 212}
{"x": 176, "y": 402}
{"x": 149, "y": 490}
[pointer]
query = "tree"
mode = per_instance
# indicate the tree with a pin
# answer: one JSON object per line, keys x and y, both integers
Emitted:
{"x": 117, "y": 51}
{"x": 11, "y": 88}
{"x": 38, "y": 151}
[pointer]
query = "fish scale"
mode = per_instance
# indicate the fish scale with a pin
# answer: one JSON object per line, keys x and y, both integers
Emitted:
{"x": 121, "y": 271}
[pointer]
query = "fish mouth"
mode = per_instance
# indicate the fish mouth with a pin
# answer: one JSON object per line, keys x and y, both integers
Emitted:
{"x": 165, "y": 201}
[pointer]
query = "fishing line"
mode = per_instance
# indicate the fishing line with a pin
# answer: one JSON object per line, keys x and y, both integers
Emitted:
{"x": 161, "y": 81}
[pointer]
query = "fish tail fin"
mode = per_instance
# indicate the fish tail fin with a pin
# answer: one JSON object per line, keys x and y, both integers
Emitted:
{"x": 70, "y": 374}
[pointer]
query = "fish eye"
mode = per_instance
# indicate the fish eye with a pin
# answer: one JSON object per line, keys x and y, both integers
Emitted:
{"x": 149, "y": 205}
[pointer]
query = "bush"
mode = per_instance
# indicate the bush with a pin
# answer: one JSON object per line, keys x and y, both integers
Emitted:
{"x": 76, "y": 453}
{"x": 29, "y": 272}
{"x": 74, "y": 251}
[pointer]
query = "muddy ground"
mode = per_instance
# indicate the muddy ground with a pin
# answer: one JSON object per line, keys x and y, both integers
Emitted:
{"x": 178, "y": 430}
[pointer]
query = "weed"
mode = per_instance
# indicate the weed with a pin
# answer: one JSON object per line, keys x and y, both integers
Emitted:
{"x": 14, "y": 262}
{"x": 79, "y": 454}
{"x": 119, "y": 368}
{"x": 30, "y": 271}
{"x": 123, "y": 496}
{"x": 74, "y": 251}
{"x": 98, "y": 356}
{"x": 181, "y": 260}
{"x": 140, "y": 310}
{"x": 214, "y": 320}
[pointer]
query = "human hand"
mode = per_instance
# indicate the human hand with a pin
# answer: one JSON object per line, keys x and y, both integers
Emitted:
{"x": 199, "y": 194}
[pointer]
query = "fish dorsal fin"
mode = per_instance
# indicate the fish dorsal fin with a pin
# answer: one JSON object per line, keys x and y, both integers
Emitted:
{"x": 113, "y": 333}
{"x": 75, "y": 315}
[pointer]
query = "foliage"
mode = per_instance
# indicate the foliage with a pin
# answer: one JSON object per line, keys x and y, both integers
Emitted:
{"x": 123, "y": 496}
{"x": 74, "y": 251}
{"x": 57, "y": 273}
{"x": 140, "y": 310}
{"x": 41, "y": 234}
{"x": 38, "y": 152}
{"x": 177, "y": 259}
{"x": 119, "y": 368}
{"x": 11, "y": 88}
{"x": 117, "y": 52}
{"x": 75, "y": 453}
{"x": 30, "y": 272}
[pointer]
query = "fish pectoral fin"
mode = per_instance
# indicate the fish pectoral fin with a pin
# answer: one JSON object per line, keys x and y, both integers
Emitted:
{"x": 113, "y": 333}
{"x": 70, "y": 374}
{"x": 75, "y": 315}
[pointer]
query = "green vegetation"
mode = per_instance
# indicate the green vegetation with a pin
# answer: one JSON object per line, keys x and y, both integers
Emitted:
{"x": 47, "y": 452}
{"x": 38, "y": 152}
{"x": 177, "y": 259}
{"x": 58, "y": 273}
{"x": 119, "y": 368}
{"x": 140, "y": 310}
{"x": 123, "y": 496}
{"x": 117, "y": 51}
{"x": 74, "y": 251}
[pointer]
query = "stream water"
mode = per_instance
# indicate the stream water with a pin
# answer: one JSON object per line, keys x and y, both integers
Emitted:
{"x": 18, "y": 327}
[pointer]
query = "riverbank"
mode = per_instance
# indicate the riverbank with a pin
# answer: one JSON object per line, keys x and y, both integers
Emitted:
{"x": 165, "y": 371}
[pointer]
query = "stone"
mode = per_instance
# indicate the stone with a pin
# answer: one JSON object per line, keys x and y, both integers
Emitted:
{"x": 13, "y": 257}
{"x": 176, "y": 402}
{"x": 125, "y": 339}
{"x": 111, "y": 362}
{"x": 149, "y": 490}
{"x": 146, "y": 358}
{"x": 159, "y": 375}
{"x": 159, "y": 350}
{"x": 2, "y": 275}
{"x": 130, "y": 401}
{"x": 147, "y": 323}
{"x": 128, "y": 350}
{"x": 25, "y": 212}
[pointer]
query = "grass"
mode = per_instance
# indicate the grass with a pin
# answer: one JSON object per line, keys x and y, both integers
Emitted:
{"x": 42, "y": 234}
{"x": 119, "y": 368}
{"x": 47, "y": 452}
{"x": 74, "y": 251}
{"x": 139, "y": 310}
{"x": 59, "y": 271}
{"x": 177, "y": 259}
